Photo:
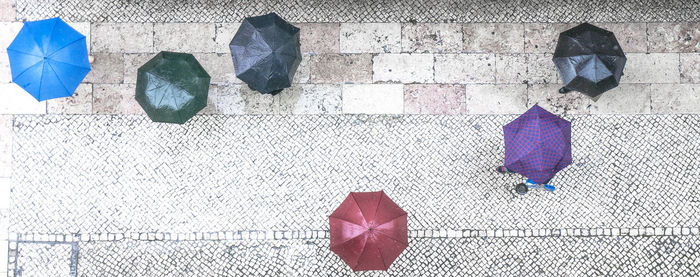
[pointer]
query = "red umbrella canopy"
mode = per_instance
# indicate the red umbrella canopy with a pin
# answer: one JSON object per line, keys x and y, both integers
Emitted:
{"x": 368, "y": 231}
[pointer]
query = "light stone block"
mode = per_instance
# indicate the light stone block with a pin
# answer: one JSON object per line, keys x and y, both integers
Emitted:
{"x": 651, "y": 68}
{"x": 184, "y": 37}
{"x": 258, "y": 103}
{"x": 218, "y": 66}
{"x": 303, "y": 73}
{"x": 5, "y": 189}
{"x": 673, "y": 37}
{"x": 224, "y": 99}
{"x": 373, "y": 98}
{"x": 434, "y": 99}
{"x": 319, "y": 37}
{"x": 511, "y": 69}
{"x": 403, "y": 68}
{"x": 548, "y": 97}
{"x": 624, "y": 99}
{"x": 132, "y": 62}
{"x": 541, "y": 69}
{"x": 690, "y": 68}
{"x": 5, "y": 72}
{"x": 496, "y": 99}
{"x": 224, "y": 35}
{"x": 79, "y": 103}
{"x": 675, "y": 98}
{"x": 115, "y": 99}
{"x": 465, "y": 68}
{"x": 16, "y": 100}
{"x": 5, "y": 149}
{"x": 311, "y": 99}
{"x": 370, "y": 37}
{"x": 108, "y": 68}
{"x": 340, "y": 68}
{"x": 542, "y": 37}
{"x": 8, "y": 32}
{"x": 7, "y": 13}
{"x": 431, "y": 38}
{"x": 493, "y": 37}
{"x": 631, "y": 36}
{"x": 122, "y": 37}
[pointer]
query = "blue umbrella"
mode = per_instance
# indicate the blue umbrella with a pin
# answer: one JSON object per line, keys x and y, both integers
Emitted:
{"x": 48, "y": 58}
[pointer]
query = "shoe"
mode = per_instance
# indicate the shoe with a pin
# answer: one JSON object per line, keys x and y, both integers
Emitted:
{"x": 549, "y": 187}
{"x": 521, "y": 188}
{"x": 501, "y": 169}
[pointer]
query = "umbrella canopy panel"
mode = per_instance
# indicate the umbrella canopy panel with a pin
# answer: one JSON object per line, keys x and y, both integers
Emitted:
{"x": 589, "y": 59}
{"x": 266, "y": 53}
{"x": 48, "y": 59}
{"x": 537, "y": 144}
{"x": 368, "y": 231}
{"x": 172, "y": 87}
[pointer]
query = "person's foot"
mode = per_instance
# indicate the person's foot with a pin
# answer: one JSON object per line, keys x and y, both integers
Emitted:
{"x": 521, "y": 188}
{"x": 501, "y": 169}
{"x": 564, "y": 90}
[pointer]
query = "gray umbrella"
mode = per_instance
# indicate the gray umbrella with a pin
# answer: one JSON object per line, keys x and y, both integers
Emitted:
{"x": 266, "y": 53}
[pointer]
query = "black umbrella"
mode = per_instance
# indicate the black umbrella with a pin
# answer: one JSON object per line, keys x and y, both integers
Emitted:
{"x": 266, "y": 53}
{"x": 589, "y": 59}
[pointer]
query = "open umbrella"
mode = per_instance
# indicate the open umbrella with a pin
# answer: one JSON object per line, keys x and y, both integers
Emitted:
{"x": 172, "y": 87}
{"x": 368, "y": 231}
{"x": 589, "y": 59}
{"x": 266, "y": 53}
{"x": 48, "y": 59}
{"x": 538, "y": 144}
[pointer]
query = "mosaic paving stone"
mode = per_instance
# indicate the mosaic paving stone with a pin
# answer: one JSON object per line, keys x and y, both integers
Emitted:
{"x": 552, "y": 256}
{"x": 364, "y": 11}
{"x": 99, "y": 174}
{"x": 45, "y": 259}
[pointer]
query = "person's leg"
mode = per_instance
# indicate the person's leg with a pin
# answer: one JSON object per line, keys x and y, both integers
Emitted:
{"x": 503, "y": 169}
{"x": 549, "y": 187}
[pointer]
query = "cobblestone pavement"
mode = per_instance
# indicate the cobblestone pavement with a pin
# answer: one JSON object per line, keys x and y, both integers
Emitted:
{"x": 550, "y": 256}
{"x": 364, "y": 11}
{"x": 116, "y": 178}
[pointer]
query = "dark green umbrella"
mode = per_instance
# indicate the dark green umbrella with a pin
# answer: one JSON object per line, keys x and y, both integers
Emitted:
{"x": 172, "y": 87}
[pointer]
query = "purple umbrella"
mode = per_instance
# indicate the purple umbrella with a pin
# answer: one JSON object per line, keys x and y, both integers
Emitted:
{"x": 538, "y": 144}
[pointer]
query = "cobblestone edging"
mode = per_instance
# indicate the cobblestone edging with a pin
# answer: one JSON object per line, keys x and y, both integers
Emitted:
{"x": 364, "y": 11}
{"x": 324, "y": 234}
{"x": 508, "y": 256}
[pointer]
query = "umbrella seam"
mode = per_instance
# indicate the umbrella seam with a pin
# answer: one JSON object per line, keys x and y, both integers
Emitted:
{"x": 358, "y": 207}
{"x": 364, "y": 246}
{"x": 68, "y": 44}
{"x": 50, "y": 36}
{"x": 57, "y": 77}
{"x": 381, "y": 256}
{"x": 29, "y": 67}
{"x": 388, "y": 236}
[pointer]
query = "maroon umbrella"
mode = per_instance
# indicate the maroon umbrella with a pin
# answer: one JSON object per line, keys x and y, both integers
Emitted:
{"x": 368, "y": 231}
